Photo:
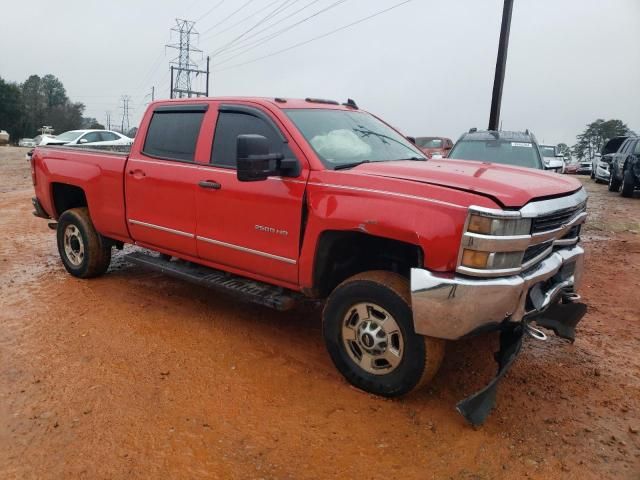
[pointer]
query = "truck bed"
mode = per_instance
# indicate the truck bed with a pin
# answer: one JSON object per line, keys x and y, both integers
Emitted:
{"x": 100, "y": 175}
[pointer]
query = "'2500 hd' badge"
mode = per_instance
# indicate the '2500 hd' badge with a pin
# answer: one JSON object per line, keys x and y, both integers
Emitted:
{"x": 277, "y": 231}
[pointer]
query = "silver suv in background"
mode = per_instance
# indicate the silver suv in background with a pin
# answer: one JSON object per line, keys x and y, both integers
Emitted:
{"x": 601, "y": 165}
{"x": 498, "y": 146}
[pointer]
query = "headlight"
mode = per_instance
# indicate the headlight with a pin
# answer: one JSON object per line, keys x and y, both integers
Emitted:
{"x": 494, "y": 241}
{"x": 487, "y": 225}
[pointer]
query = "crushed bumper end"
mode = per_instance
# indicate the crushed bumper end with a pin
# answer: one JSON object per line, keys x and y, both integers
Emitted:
{"x": 455, "y": 306}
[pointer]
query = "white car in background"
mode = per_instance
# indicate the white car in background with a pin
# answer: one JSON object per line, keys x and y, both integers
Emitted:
{"x": 88, "y": 137}
{"x": 27, "y": 142}
{"x": 551, "y": 158}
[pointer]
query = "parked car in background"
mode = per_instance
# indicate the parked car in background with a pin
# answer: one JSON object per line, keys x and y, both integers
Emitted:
{"x": 510, "y": 148}
{"x": 602, "y": 161}
{"x": 27, "y": 142}
{"x": 584, "y": 167}
{"x": 93, "y": 137}
{"x": 4, "y": 137}
{"x": 571, "y": 167}
{"x": 438, "y": 146}
{"x": 625, "y": 167}
{"x": 551, "y": 158}
{"x": 40, "y": 138}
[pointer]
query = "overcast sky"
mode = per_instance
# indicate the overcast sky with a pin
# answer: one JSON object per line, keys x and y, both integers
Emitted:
{"x": 426, "y": 67}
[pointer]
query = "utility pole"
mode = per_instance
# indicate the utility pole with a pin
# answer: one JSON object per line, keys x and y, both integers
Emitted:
{"x": 125, "y": 113}
{"x": 153, "y": 93}
{"x": 501, "y": 63}
{"x": 183, "y": 66}
{"x": 108, "y": 118}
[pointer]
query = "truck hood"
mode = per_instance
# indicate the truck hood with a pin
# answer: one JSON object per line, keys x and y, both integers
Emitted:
{"x": 508, "y": 186}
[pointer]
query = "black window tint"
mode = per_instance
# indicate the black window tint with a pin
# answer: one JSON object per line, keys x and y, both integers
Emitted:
{"x": 92, "y": 137}
{"x": 232, "y": 124}
{"x": 173, "y": 135}
{"x": 108, "y": 136}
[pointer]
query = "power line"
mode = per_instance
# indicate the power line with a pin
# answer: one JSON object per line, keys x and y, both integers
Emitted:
{"x": 315, "y": 38}
{"x": 242, "y": 49}
{"x": 210, "y": 10}
{"x": 268, "y": 27}
{"x": 285, "y": 4}
{"x": 228, "y": 17}
{"x": 202, "y": 37}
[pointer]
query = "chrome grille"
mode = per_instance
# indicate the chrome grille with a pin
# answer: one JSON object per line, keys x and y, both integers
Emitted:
{"x": 556, "y": 219}
{"x": 535, "y": 250}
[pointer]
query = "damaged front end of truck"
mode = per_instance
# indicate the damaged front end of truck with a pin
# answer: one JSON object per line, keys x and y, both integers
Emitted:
{"x": 516, "y": 269}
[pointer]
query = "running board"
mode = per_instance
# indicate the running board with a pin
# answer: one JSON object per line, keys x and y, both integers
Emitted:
{"x": 240, "y": 287}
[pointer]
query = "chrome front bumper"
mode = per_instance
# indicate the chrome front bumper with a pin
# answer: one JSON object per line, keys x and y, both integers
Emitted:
{"x": 454, "y": 306}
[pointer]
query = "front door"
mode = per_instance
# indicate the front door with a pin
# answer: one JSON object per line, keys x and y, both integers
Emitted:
{"x": 161, "y": 181}
{"x": 250, "y": 226}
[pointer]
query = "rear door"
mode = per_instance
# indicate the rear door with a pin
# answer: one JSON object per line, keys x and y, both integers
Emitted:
{"x": 161, "y": 179}
{"x": 252, "y": 227}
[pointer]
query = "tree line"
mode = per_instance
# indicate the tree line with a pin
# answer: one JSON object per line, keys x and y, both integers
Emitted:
{"x": 39, "y": 101}
{"x": 594, "y": 136}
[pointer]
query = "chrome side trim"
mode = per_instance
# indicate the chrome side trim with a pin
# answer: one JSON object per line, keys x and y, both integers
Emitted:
{"x": 247, "y": 250}
{"x": 384, "y": 192}
{"x": 161, "y": 228}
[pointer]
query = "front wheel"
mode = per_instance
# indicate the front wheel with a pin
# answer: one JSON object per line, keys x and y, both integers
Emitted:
{"x": 628, "y": 182}
{"x": 84, "y": 252}
{"x": 368, "y": 331}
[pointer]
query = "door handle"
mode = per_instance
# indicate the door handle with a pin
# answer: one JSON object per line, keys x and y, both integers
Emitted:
{"x": 137, "y": 173}
{"x": 209, "y": 184}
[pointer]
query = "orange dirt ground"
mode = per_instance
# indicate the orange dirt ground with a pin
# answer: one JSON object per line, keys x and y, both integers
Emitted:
{"x": 135, "y": 375}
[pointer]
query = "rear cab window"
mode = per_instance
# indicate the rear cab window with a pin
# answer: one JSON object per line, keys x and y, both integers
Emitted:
{"x": 173, "y": 132}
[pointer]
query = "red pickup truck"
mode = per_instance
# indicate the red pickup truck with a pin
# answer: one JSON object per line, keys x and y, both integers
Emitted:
{"x": 281, "y": 200}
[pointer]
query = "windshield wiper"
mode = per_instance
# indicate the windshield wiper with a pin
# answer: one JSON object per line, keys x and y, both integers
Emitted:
{"x": 418, "y": 159}
{"x": 350, "y": 165}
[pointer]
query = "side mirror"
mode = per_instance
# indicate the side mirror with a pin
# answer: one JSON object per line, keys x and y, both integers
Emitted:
{"x": 412, "y": 139}
{"x": 254, "y": 162}
{"x": 83, "y": 140}
{"x": 559, "y": 155}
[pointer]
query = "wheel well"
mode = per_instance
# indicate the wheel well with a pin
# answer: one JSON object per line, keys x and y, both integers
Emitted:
{"x": 67, "y": 196}
{"x": 340, "y": 255}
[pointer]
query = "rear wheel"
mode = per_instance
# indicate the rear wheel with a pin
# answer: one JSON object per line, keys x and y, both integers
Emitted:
{"x": 614, "y": 183}
{"x": 368, "y": 331}
{"x": 84, "y": 252}
{"x": 628, "y": 182}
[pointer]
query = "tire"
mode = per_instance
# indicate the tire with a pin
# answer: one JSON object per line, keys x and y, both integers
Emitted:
{"x": 614, "y": 183}
{"x": 366, "y": 303}
{"x": 84, "y": 252}
{"x": 628, "y": 182}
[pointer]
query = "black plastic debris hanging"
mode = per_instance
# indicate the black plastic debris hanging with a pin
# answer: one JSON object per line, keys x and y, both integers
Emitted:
{"x": 477, "y": 407}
